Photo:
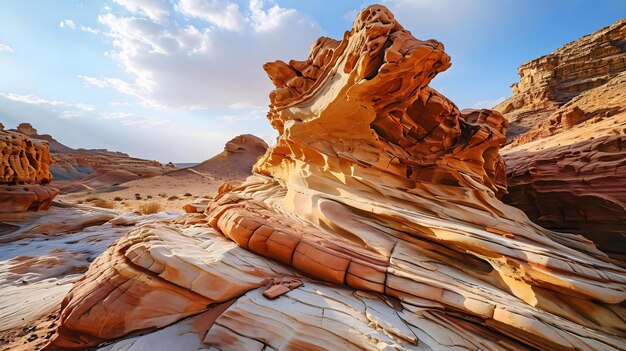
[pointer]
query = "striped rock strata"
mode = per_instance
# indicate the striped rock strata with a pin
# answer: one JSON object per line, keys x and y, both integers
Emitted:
{"x": 24, "y": 172}
{"x": 381, "y": 197}
{"x": 567, "y": 171}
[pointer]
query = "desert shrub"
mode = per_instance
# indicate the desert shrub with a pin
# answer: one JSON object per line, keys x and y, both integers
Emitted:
{"x": 173, "y": 197}
{"x": 150, "y": 207}
{"x": 163, "y": 195}
{"x": 103, "y": 204}
{"x": 137, "y": 197}
{"x": 80, "y": 202}
{"x": 117, "y": 198}
{"x": 92, "y": 199}
{"x": 188, "y": 194}
{"x": 149, "y": 196}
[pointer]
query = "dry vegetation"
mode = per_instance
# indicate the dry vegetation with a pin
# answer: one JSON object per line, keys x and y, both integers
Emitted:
{"x": 150, "y": 207}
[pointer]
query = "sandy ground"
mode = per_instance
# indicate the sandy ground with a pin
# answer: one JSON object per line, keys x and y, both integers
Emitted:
{"x": 32, "y": 336}
{"x": 172, "y": 191}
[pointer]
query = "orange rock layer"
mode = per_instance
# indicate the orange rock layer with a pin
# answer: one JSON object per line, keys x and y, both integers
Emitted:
{"x": 385, "y": 196}
{"x": 24, "y": 170}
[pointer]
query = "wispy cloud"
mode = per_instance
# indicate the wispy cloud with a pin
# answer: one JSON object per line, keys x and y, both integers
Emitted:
{"x": 488, "y": 103}
{"x": 68, "y": 23}
{"x": 70, "y": 110}
{"x": 133, "y": 119}
{"x": 247, "y": 114}
{"x": 6, "y": 48}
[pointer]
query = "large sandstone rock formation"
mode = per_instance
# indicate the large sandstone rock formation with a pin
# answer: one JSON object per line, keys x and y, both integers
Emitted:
{"x": 381, "y": 197}
{"x": 567, "y": 157}
{"x": 24, "y": 172}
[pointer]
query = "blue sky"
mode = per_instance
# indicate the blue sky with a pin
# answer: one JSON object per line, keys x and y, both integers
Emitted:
{"x": 173, "y": 80}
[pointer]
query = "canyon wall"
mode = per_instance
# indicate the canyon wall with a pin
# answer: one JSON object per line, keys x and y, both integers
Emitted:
{"x": 567, "y": 155}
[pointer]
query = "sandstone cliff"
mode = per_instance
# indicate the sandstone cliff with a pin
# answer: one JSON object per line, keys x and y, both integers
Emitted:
{"x": 566, "y": 157}
{"x": 373, "y": 224}
{"x": 550, "y": 81}
{"x": 24, "y": 172}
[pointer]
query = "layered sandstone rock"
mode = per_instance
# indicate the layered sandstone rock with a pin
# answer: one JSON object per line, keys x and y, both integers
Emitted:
{"x": 43, "y": 254}
{"x": 24, "y": 172}
{"x": 80, "y": 169}
{"x": 380, "y": 196}
{"x": 579, "y": 188}
{"x": 565, "y": 167}
{"x": 552, "y": 80}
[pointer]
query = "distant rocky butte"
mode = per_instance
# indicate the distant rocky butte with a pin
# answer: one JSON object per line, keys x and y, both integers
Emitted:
{"x": 239, "y": 154}
{"x": 566, "y": 160}
{"x": 80, "y": 169}
{"x": 373, "y": 224}
{"x": 24, "y": 173}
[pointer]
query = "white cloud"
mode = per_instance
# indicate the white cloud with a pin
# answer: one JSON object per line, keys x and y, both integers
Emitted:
{"x": 117, "y": 115}
{"x": 118, "y": 103}
{"x": 248, "y": 115}
{"x": 488, "y": 103}
{"x": 144, "y": 122}
{"x": 133, "y": 119}
{"x": 215, "y": 64}
{"x": 89, "y": 29}
{"x": 6, "y": 48}
{"x": 221, "y": 13}
{"x": 68, "y": 23}
{"x": 154, "y": 9}
{"x": 69, "y": 110}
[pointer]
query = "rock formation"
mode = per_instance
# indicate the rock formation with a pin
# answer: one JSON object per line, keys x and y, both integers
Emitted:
{"x": 24, "y": 172}
{"x": 380, "y": 197}
{"x": 236, "y": 160}
{"x": 552, "y": 80}
{"x": 80, "y": 169}
{"x": 567, "y": 170}
{"x": 42, "y": 254}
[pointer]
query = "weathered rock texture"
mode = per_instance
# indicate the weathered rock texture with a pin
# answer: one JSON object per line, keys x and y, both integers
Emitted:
{"x": 566, "y": 161}
{"x": 81, "y": 169}
{"x": 579, "y": 188}
{"x": 550, "y": 81}
{"x": 380, "y": 196}
{"x": 42, "y": 254}
{"x": 24, "y": 172}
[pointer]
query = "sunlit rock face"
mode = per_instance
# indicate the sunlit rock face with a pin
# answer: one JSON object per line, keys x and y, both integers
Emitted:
{"x": 381, "y": 197}
{"x": 24, "y": 172}
{"x": 566, "y": 159}
{"x": 552, "y": 80}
